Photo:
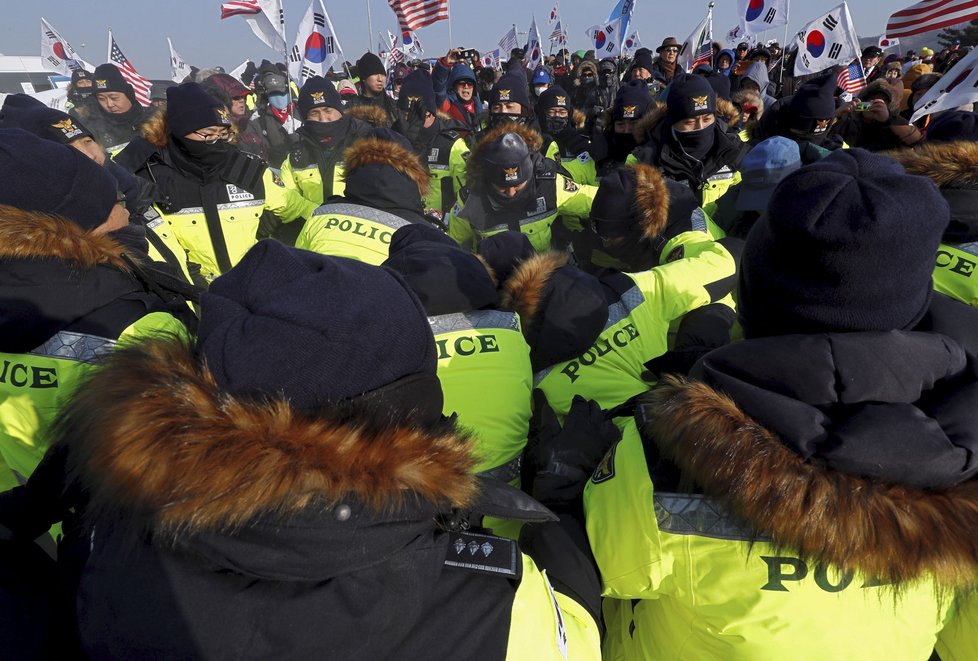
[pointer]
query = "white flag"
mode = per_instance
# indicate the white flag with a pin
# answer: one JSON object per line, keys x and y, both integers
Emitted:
{"x": 411, "y": 44}
{"x": 490, "y": 60}
{"x": 265, "y": 17}
{"x": 57, "y": 54}
{"x": 761, "y": 15}
{"x": 316, "y": 46}
{"x": 632, "y": 43}
{"x": 555, "y": 14}
{"x": 239, "y": 72}
{"x": 534, "y": 53}
{"x": 698, "y": 47}
{"x": 827, "y": 41}
{"x": 606, "y": 39}
{"x": 178, "y": 68}
{"x": 957, "y": 87}
{"x": 509, "y": 42}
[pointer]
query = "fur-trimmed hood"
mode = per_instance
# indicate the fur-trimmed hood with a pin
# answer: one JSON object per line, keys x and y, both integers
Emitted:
{"x": 523, "y": 291}
{"x": 373, "y": 115}
{"x": 377, "y": 151}
{"x": 727, "y": 112}
{"x": 586, "y": 64}
{"x": 474, "y": 164}
{"x": 883, "y": 529}
{"x": 156, "y": 131}
{"x": 651, "y": 200}
{"x": 949, "y": 164}
{"x": 35, "y": 235}
{"x": 151, "y": 433}
{"x": 748, "y": 97}
{"x": 651, "y": 119}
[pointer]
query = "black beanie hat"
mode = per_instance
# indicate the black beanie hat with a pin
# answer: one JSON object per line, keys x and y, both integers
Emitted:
{"x": 508, "y": 161}
{"x": 511, "y": 88}
{"x": 317, "y": 92}
{"x": 632, "y": 101}
{"x": 505, "y": 251}
{"x": 81, "y": 74}
{"x": 643, "y": 60}
{"x": 847, "y": 244}
{"x": 405, "y": 236}
{"x": 370, "y": 65}
{"x": 190, "y": 108}
{"x": 815, "y": 99}
{"x": 615, "y": 199}
{"x": 417, "y": 87}
{"x": 689, "y": 96}
{"x": 952, "y": 126}
{"x": 108, "y": 78}
{"x": 554, "y": 97}
{"x": 445, "y": 278}
{"x": 41, "y": 175}
{"x": 312, "y": 328}
{"x": 26, "y": 112}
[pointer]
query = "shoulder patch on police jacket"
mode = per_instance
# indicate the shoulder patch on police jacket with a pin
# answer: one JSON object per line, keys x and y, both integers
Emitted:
{"x": 606, "y": 469}
{"x": 484, "y": 554}
{"x": 570, "y": 186}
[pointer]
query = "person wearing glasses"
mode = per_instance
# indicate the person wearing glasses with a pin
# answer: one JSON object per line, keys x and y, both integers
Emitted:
{"x": 456, "y": 91}
{"x": 216, "y": 198}
{"x": 665, "y": 67}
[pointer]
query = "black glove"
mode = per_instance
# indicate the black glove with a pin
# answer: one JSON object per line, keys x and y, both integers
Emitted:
{"x": 414, "y": 124}
{"x": 560, "y": 460}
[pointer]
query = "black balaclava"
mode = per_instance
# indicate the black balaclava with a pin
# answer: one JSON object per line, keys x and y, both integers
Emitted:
{"x": 696, "y": 143}
{"x": 326, "y": 132}
{"x": 206, "y": 156}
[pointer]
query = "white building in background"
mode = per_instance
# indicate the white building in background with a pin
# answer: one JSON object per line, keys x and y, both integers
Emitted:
{"x": 24, "y": 73}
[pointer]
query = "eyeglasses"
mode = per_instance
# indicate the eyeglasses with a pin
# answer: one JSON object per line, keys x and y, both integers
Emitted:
{"x": 211, "y": 138}
{"x": 671, "y": 49}
{"x": 465, "y": 83}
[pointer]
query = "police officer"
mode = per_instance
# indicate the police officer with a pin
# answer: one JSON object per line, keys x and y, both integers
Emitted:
{"x": 71, "y": 288}
{"x": 483, "y": 360}
{"x": 385, "y": 185}
{"x": 564, "y": 140}
{"x": 146, "y": 227}
{"x": 119, "y": 117}
{"x": 213, "y": 196}
{"x": 348, "y": 457}
{"x": 509, "y": 101}
{"x": 703, "y": 549}
{"x": 81, "y": 94}
{"x": 314, "y": 166}
{"x": 689, "y": 145}
{"x": 438, "y": 140}
{"x": 511, "y": 186}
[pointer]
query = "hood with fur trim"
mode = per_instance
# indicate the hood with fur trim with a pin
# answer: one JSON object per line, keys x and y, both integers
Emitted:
{"x": 886, "y": 531}
{"x": 748, "y": 97}
{"x": 585, "y": 65}
{"x": 373, "y": 115}
{"x": 953, "y": 166}
{"x": 651, "y": 200}
{"x": 151, "y": 434}
{"x": 474, "y": 164}
{"x": 156, "y": 131}
{"x": 651, "y": 119}
{"x": 34, "y": 235}
{"x": 376, "y": 151}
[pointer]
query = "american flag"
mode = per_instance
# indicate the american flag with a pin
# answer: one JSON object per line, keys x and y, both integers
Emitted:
{"x": 930, "y": 15}
{"x": 703, "y": 56}
{"x": 241, "y": 7}
{"x": 558, "y": 36}
{"x": 140, "y": 85}
{"x": 414, "y": 14}
{"x": 851, "y": 79}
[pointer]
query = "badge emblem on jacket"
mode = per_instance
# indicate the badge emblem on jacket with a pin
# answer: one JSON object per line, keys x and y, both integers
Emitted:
{"x": 236, "y": 194}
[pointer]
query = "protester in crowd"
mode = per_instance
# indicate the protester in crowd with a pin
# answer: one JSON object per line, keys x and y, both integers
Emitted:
{"x": 384, "y": 188}
{"x": 456, "y": 91}
{"x": 440, "y": 142}
{"x": 724, "y": 62}
{"x": 879, "y": 127}
{"x": 870, "y": 60}
{"x": 119, "y": 116}
{"x": 213, "y": 196}
{"x": 540, "y": 83}
{"x": 587, "y": 92}
{"x": 373, "y": 82}
{"x": 274, "y": 111}
{"x": 249, "y": 132}
{"x": 756, "y": 80}
{"x": 687, "y": 142}
{"x": 714, "y": 465}
{"x": 666, "y": 65}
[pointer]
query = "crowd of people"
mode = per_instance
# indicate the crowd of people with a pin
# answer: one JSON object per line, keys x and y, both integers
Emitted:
{"x": 599, "y": 359}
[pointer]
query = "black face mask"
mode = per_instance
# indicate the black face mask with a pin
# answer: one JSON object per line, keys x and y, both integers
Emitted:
{"x": 696, "y": 143}
{"x": 500, "y": 200}
{"x": 499, "y": 118}
{"x": 556, "y": 125}
{"x": 326, "y": 131}
{"x": 622, "y": 144}
{"x": 207, "y": 156}
{"x": 607, "y": 79}
{"x": 81, "y": 93}
{"x": 132, "y": 237}
{"x": 588, "y": 80}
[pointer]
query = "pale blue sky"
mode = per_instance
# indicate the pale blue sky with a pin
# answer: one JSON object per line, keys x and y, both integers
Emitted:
{"x": 141, "y": 26}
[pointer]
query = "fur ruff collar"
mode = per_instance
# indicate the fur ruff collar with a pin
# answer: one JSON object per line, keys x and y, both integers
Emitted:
{"x": 35, "y": 235}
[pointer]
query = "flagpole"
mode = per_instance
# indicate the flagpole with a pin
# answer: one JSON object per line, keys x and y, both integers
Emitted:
{"x": 370, "y": 27}
{"x": 108, "y": 57}
{"x": 448, "y": 6}
{"x": 784, "y": 44}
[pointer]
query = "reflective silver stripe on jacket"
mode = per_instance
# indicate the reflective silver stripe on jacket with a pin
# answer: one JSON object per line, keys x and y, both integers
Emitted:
{"x": 698, "y": 220}
{"x": 505, "y": 473}
{"x": 465, "y": 321}
{"x": 75, "y": 346}
{"x": 970, "y": 248}
{"x": 696, "y": 514}
{"x": 529, "y": 220}
{"x": 363, "y": 213}
{"x": 257, "y": 202}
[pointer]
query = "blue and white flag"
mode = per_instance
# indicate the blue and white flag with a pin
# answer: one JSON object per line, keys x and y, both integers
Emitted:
{"x": 623, "y": 13}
